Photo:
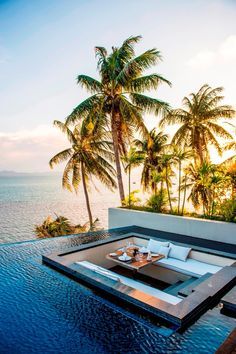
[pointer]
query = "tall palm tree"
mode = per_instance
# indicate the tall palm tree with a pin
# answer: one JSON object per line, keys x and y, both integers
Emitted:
{"x": 130, "y": 160}
{"x": 87, "y": 157}
{"x": 203, "y": 179}
{"x": 152, "y": 147}
{"x": 167, "y": 160}
{"x": 199, "y": 121}
{"x": 119, "y": 94}
{"x": 180, "y": 155}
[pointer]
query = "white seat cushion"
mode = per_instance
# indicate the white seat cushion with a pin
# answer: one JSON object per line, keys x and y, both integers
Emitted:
{"x": 190, "y": 267}
{"x": 133, "y": 283}
{"x": 154, "y": 246}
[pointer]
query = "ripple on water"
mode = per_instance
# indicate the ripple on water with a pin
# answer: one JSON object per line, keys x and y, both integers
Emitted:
{"x": 44, "y": 311}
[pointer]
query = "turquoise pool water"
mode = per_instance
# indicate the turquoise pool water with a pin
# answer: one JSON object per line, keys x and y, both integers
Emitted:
{"x": 43, "y": 311}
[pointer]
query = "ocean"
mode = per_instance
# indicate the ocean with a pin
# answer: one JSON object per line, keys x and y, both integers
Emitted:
{"x": 26, "y": 200}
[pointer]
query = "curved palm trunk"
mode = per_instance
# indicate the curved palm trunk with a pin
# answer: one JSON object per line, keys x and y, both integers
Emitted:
{"x": 184, "y": 197}
{"x": 129, "y": 184}
{"x": 179, "y": 185}
{"x": 168, "y": 191}
{"x": 86, "y": 197}
{"x": 117, "y": 155}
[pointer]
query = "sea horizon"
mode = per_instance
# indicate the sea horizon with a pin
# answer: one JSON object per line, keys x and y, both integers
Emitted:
{"x": 26, "y": 199}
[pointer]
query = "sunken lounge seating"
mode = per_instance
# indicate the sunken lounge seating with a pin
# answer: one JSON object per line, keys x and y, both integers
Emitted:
{"x": 131, "y": 282}
{"x": 185, "y": 260}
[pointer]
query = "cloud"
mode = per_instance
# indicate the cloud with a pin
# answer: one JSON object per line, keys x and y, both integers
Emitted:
{"x": 24, "y": 149}
{"x": 225, "y": 53}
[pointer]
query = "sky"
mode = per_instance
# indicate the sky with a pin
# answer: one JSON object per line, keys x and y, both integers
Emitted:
{"x": 44, "y": 45}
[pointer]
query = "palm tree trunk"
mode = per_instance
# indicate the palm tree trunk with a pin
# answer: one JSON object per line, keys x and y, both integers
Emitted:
{"x": 117, "y": 157}
{"x": 168, "y": 191}
{"x": 184, "y": 197}
{"x": 129, "y": 183}
{"x": 179, "y": 186}
{"x": 86, "y": 197}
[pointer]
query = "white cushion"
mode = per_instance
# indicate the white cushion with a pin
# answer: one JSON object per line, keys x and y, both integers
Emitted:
{"x": 133, "y": 283}
{"x": 179, "y": 252}
{"x": 154, "y": 246}
{"x": 190, "y": 267}
{"x": 164, "y": 251}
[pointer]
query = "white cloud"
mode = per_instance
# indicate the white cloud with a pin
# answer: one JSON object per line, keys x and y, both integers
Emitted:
{"x": 24, "y": 149}
{"x": 227, "y": 49}
{"x": 225, "y": 53}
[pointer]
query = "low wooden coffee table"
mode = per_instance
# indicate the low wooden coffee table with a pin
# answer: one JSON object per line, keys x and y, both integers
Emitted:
{"x": 133, "y": 264}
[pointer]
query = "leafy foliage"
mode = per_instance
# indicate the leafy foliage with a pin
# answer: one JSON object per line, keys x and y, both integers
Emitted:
{"x": 200, "y": 120}
{"x": 58, "y": 227}
{"x": 131, "y": 200}
{"x": 158, "y": 201}
{"x": 118, "y": 94}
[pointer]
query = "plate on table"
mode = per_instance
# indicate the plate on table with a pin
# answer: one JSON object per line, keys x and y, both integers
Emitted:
{"x": 124, "y": 259}
{"x": 154, "y": 254}
{"x": 112, "y": 254}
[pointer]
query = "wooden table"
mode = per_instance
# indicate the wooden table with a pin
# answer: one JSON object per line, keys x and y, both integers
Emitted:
{"x": 133, "y": 264}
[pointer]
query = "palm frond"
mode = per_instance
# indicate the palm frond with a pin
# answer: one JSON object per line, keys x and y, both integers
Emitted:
{"x": 84, "y": 108}
{"x": 136, "y": 67}
{"x": 90, "y": 84}
{"x": 149, "y": 104}
{"x": 64, "y": 128}
{"x": 147, "y": 83}
{"x": 60, "y": 157}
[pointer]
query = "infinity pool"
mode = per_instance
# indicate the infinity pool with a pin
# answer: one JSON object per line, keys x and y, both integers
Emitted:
{"x": 43, "y": 311}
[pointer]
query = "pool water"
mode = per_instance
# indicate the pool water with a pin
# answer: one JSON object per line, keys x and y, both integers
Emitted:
{"x": 43, "y": 311}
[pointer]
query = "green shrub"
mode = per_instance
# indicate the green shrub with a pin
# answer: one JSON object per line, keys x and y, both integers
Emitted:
{"x": 61, "y": 226}
{"x": 157, "y": 202}
{"x": 228, "y": 210}
{"x": 131, "y": 200}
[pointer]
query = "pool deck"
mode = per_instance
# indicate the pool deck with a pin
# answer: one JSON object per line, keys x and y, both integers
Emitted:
{"x": 205, "y": 295}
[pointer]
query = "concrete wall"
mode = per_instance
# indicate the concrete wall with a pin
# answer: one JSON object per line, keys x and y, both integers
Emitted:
{"x": 207, "y": 229}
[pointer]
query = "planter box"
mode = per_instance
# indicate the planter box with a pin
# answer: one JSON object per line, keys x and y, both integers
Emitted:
{"x": 207, "y": 229}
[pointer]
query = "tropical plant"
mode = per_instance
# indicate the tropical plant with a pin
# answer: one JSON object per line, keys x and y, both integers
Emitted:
{"x": 228, "y": 209}
{"x": 199, "y": 121}
{"x": 158, "y": 201}
{"x": 180, "y": 155}
{"x": 87, "y": 157}
{"x": 58, "y": 227}
{"x": 206, "y": 181}
{"x": 119, "y": 94}
{"x": 167, "y": 160}
{"x": 152, "y": 148}
{"x": 131, "y": 200}
{"x": 130, "y": 160}
{"x": 230, "y": 172}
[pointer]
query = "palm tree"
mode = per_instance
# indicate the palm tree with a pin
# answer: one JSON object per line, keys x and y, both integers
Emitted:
{"x": 180, "y": 155}
{"x": 203, "y": 179}
{"x": 57, "y": 227}
{"x": 88, "y": 156}
{"x": 198, "y": 121}
{"x": 119, "y": 94}
{"x": 130, "y": 160}
{"x": 167, "y": 160}
{"x": 152, "y": 147}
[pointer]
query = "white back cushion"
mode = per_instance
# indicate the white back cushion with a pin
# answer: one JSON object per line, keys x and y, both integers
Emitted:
{"x": 154, "y": 246}
{"x": 179, "y": 252}
{"x": 165, "y": 251}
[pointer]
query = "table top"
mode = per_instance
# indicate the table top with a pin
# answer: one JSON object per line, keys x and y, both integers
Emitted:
{"x": 133, "y": 264}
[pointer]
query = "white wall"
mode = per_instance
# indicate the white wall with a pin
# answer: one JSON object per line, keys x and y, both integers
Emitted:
{"x": 207, "y": 229}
